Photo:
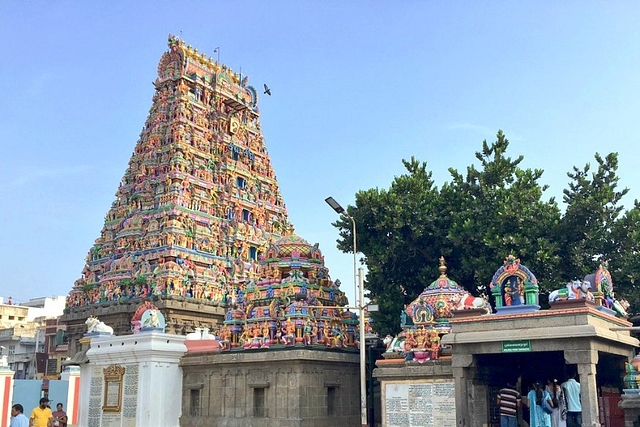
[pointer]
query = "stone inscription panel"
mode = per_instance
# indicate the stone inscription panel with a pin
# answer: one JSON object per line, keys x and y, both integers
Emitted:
{"x": 430, "y": 403}
{"x": 130, "y": 401}
{"x": 95, "y": 397}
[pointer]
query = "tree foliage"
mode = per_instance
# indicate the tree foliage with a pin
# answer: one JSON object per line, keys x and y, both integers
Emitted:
{"x": 480, "y": 217}
{"x": 593, "y": 208}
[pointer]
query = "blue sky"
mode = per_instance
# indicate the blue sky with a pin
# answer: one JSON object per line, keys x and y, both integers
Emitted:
{"x": 357, "y": 86}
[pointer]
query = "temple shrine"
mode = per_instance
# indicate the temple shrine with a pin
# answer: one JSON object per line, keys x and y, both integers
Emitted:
{"x": 196, "y": 208}
{"x": 198, "y": 266}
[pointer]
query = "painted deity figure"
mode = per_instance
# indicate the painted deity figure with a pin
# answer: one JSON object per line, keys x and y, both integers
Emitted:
{"x": 513, "y": 290}
{"x": 308, "y": 333}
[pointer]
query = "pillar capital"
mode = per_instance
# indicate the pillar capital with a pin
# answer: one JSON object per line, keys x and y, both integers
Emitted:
{"x": 576, "y": 357}
{"x": 462, "y": 360}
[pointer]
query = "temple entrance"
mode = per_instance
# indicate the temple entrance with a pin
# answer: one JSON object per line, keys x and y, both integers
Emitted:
{"x": 496, "y": 370}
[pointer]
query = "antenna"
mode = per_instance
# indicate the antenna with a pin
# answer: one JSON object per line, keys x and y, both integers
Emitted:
{"x": 217, "y": 50}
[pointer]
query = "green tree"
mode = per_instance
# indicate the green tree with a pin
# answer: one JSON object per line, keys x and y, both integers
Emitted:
{"x": 625, "y": 262}
{"x": 474, "y": 221}
{"x": 593, "y": 206}
{"x": 399, "y": 231}
{"x": 498, "y": 210}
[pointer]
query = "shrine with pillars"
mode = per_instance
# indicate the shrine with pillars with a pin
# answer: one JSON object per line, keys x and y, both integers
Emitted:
{"x": 481, "y": 351}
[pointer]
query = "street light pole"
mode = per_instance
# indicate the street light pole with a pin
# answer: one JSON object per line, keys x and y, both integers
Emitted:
{"x": 363, "y": 360}
{"x": 360, "y": 307}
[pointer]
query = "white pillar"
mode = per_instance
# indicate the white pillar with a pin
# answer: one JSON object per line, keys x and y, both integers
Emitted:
{"x": 71, "y": 374}
{"x": 6, "y": 394}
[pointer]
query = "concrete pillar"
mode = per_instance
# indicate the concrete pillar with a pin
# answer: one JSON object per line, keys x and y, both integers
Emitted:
{"x": 84, "y": 383}
{"x": 6, "y": 394}
{"x": 588, "y": 394}
{"x": 460, "y": 364}
{"x": 71, "y": 374}
{"x": 586, "y": 360}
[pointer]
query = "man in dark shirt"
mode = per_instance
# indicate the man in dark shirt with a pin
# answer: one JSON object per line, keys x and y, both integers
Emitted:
{"x": 509, "y": 400}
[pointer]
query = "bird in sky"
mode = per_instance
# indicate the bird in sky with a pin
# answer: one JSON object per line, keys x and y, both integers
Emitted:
{"x": 267, "y": 91}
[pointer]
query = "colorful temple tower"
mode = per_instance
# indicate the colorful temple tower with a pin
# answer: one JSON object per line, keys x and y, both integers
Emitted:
{"x": 196, "y": 208}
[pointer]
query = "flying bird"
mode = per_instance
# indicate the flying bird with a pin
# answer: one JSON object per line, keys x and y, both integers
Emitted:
{"x": 267, "y": 91}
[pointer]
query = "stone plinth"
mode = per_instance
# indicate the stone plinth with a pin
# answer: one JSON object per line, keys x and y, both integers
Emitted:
{"x": 132, "y": 380}
{"x": 409, "y": 385}
{"x": 572, "y": 304}
{"x": 469, "y": 312}
{"x": 284, "y": 388}
{"x": 200, "y": 346}
{"x": 631, "y": 405}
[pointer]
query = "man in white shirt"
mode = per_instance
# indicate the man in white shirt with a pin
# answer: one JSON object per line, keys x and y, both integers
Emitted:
{"x": 571, "y": 389}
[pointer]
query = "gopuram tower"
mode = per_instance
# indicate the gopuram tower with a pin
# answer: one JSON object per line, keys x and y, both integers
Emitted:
{"x": 196, "y": 208}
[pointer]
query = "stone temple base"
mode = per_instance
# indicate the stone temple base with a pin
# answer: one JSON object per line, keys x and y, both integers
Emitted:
{"x": 267, "y": 388}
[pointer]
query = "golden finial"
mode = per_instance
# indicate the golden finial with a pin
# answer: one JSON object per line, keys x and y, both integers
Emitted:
{"x": 443, "y": 267}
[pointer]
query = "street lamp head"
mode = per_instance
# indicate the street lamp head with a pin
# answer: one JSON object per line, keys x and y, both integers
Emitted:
{"x": 334, "y": 205}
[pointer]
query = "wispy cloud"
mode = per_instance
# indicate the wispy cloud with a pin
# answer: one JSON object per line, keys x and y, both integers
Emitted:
{"x": 34, "y": 175}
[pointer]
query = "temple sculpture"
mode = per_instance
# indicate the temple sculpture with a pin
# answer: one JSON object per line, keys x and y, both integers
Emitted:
{"x": 426, "y": 319}
{"x": 196, "y": 208}
{"x": 293, "y": 303}
{"x": 514, "y": 287}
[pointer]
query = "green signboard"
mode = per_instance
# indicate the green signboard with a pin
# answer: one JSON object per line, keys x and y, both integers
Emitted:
{"x": 516, "y": 346}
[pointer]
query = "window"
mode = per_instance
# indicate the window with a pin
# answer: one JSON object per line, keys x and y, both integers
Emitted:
{"x": 12, "y": 317}
{"x": 331, "y": 400}
{"x": 60, "y": 337}
{"x": 12, "y": 350}
{"x": 52, "y": 366}
{"x": 258, "y": 403}
{"x": 194, "y": 403}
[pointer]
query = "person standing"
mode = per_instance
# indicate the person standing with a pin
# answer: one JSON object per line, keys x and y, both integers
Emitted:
{"x": 509, "y": 400}
{"x": 41, "y": 416}
{"x": 537, "y": 416}
{"x": 571, "y": 389}
{"x": 559, "y": 416}
{"x": 18, "y": 419}
{"x": 59, "y": 417}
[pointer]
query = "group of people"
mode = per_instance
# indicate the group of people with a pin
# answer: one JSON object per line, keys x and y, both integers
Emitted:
{"x": 41, "y": 416}
{"x": 550, "y": 405}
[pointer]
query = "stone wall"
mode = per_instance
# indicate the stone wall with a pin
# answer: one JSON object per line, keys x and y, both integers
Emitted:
{"x": 287, "y": 388}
